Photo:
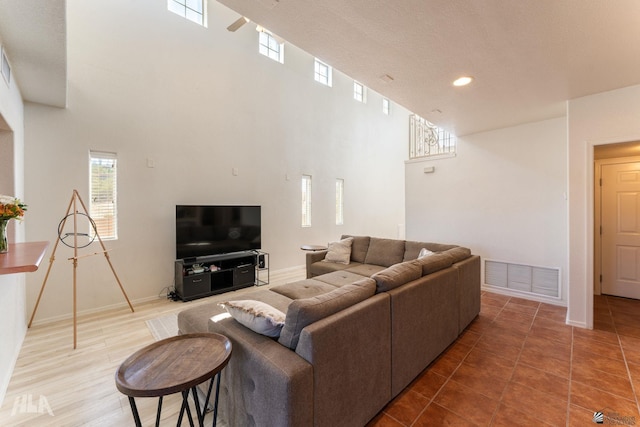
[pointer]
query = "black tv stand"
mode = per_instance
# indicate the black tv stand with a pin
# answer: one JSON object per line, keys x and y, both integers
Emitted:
{"x": 215, "y": 274}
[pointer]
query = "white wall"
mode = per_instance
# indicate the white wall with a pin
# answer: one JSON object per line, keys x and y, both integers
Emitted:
{"x": 12, "y": 303}
{"x": 149, "y": 84}
{"x": 604, "y": 118}
{"x": 503, "y": 196}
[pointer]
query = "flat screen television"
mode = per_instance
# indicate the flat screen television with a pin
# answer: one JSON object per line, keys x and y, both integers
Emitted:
{"x": 213, "y": 230}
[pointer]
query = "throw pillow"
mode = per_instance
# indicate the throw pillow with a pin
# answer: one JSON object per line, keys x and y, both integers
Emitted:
{"x": 340, "y": 251}
{"x": 256, "y": 315}
{"x": 424, "y": 252}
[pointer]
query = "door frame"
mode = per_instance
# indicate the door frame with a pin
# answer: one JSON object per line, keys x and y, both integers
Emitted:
{"x": 597, "y": 215}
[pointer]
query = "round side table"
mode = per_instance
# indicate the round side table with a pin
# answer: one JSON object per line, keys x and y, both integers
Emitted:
{"x": 313, "y": 248}
{"x": 175, "y": 365}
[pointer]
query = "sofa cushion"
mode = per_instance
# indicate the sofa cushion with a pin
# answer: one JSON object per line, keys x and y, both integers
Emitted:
{"x": 359, "y": 248}
{"x": 319, "y": 268}
{"x": 340, "y": 251}
{"x": 339, "y": 278}
{"x": 366, "y": 270}
{"x": 459, "y": 253}
{"x": 304, "y": 288}
{"x": 256, "y": 315}
{"x": 303, "y": 312}
{"x": 412, "y": 248}
{"x": 396, "y": 275}
{"x": 385, "y": 252}
{"x": 434, "y": 263}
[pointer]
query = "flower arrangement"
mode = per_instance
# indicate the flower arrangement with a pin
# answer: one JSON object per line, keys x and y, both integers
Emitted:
{"x": 11, "y": 208}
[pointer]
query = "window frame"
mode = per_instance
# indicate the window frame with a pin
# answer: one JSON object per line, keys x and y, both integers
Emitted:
{"x": 184, "y": 8}
{"x": 359, "y": 92}
{"x": 339, "y": 201}
{"x": 306, "y": 200}
{"x": 97, "y": 214}
{"x": 322, "y": 72}
{"x": 386, "y": 106}
{"x": 265, "y": 47}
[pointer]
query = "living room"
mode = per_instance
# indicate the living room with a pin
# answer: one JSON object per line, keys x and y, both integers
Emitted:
{"x": 196, "y": 115}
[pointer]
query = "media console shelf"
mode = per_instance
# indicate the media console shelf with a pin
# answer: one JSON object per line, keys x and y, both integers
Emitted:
{"x": 209, "y": 275}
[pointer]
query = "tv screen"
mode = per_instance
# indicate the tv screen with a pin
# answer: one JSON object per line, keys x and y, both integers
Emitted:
{"x": 212, "y": 230}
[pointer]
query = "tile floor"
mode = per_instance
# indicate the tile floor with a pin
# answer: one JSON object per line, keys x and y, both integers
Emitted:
{"x": 519, "y": 364}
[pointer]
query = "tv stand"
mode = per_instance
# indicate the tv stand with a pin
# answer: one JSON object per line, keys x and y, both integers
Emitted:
{"x": 215, "y": 274}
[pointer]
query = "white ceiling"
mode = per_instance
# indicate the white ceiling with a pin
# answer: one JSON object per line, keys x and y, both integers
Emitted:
{"x": 34, "y": 35}
{"x": 527, "y": 56}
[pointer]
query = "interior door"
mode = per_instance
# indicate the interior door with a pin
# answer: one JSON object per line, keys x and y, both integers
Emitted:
{"x": 620, "y": 232}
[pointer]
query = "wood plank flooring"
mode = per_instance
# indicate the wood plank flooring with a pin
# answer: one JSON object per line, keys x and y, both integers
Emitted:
{"x": 77, "y": 386}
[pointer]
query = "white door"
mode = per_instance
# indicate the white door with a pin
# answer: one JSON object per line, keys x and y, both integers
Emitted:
{"x": 620, "y": 209}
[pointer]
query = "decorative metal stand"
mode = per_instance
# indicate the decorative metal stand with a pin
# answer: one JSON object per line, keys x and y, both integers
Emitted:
{"x": 75, "y": 198}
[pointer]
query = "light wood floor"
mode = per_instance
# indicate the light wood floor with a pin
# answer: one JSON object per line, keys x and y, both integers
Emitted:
{"x": 78, "y": 385}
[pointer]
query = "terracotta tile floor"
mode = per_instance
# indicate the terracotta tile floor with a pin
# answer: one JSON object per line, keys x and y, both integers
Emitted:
{"x": 519, "y": 364}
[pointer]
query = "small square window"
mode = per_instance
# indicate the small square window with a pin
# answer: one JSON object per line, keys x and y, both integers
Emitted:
{"x": 193, "y": 10}
{"x": 359, "y": 92}
{"x": 386, "y": 106}
{"x": 322, "y": 73}
{"x": 271, "y": 47}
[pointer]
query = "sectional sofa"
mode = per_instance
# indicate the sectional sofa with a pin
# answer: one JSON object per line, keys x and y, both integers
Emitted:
{"x": 353, "y": 334}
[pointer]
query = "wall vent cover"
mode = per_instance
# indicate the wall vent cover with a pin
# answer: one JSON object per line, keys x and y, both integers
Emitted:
{"x": 525, "y": 278}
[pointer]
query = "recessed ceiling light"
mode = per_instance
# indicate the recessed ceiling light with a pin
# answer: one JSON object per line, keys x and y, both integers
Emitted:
{"x": 462, "y": 81}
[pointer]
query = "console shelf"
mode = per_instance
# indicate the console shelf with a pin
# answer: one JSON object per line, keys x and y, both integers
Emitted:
{"x": 215, "y": 274}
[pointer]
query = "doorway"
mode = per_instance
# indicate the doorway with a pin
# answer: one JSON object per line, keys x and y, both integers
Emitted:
{"x": 617, "y": 220}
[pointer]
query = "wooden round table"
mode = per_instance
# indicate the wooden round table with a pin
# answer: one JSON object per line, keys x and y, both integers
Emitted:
{"x": 172, "y": 365}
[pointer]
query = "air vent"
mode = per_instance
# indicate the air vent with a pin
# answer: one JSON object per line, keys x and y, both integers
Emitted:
{"x": 524, "y": 278}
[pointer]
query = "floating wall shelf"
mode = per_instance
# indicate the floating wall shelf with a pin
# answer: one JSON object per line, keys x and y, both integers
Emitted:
{"x": 22, "y": 257}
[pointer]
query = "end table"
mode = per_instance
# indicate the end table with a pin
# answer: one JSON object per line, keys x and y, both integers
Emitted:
{"x": 172, "y": 365}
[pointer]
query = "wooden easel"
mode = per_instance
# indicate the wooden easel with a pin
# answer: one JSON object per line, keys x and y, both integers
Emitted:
{"x": 73, "y": 204}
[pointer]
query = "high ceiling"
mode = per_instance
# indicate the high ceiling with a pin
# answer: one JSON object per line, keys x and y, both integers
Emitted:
{"x": 528, "y": 57}
{"x": 34, "y": 34}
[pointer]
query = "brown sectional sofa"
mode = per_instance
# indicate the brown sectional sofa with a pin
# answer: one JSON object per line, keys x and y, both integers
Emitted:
{"x": 355, "y": 334}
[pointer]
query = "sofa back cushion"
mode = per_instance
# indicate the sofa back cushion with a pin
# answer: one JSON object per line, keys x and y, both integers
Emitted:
{"x": 396, "y": 275}
{"x": 412, "y": 249}
{"x": 459, "y": 253}
{"x": 359, "y": 247}
{"x": 385, "y": 252}
{"x": 303, "y": 312}
{"x": 432, "y": 263}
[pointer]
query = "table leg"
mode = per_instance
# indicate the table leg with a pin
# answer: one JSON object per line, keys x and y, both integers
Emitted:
{"x": 197, "y": 403}
{"x": 158, "y": 412}
{"x": 134, "y": 409}
{"x": 185, "y": 406}
{"x": 215, "y": 406}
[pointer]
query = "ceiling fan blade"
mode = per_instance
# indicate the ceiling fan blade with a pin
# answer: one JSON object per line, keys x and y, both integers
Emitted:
{"x": 237, "y": 24}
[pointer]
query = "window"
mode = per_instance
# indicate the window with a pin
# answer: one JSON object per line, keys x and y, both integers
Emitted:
{"x": 427, "y": 139}
{"x": 386, "y": 106}
{"x": 322, "y": 73}
{"x": 269, "y": 46}
{"x": 359, "y": 93}
{"x": 103, "y": 207}
{"x": 339, "y": 201}
{"x": 306, "y": 200}
{"x": 193, "y": 10}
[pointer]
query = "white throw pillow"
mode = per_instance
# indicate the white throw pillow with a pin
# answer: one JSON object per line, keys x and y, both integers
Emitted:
{"x": 340, "y": 251}
{"x": 424, "y": 252}
{"x": 256, "y": 315}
